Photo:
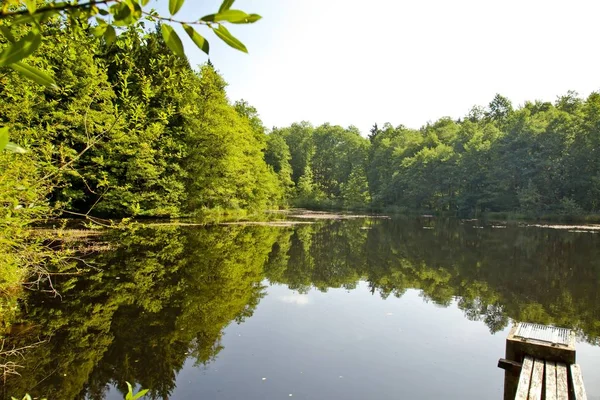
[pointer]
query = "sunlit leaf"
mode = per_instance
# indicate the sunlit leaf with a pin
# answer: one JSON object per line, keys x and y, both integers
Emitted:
{"x": 140, "y": 394}
{"x": 145, "y": 2}
{"x": 110, "y": 35}
{"x": 198, "y": 39}
{"x": 249, "y": 20}
{"x": 121, "y": 13}
{"x": 226, "y": 5}
{"x": 136, "y": 10}
{"x": 34, "y": 74}
{"x": 31, "y": 5}
{"x": 228, "y": 15}
{"x": 129, "y": 391}
{"x": 175, "y": 5}
{"x": 208, "y": 18}
{"x": 15, "y": 148}
{"x": 172, "y": 40}
{"x": 21, "y": 49}
{"x": 99, "y": 30}
{"x": 224, "y": 34}
{"x": 3, "y": 137}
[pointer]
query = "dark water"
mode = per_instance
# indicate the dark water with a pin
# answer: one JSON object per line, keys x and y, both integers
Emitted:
{"x": 354, "y": 309}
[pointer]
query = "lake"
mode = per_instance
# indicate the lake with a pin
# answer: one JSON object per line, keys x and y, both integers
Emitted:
{"x": 356, "y": 308}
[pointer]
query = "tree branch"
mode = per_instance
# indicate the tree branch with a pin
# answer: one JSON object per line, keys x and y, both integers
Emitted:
{"x": 64, "y": 7}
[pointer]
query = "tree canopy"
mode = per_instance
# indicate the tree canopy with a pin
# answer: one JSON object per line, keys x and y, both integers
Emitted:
{"x": 538, "y": 159}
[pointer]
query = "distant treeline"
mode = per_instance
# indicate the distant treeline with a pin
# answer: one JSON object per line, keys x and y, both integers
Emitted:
{"x": 539, "y": 159}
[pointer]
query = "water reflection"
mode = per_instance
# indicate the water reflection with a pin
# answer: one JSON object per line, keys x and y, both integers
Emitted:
{"x": 164, "y": 295}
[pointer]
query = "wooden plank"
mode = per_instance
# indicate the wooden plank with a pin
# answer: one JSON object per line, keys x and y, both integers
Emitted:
{"x": 524, "y": 379}
{"x": 537, "y": 380}
{"x": 511, "y": 366}
{"x": 550, "y": 380}
{"x": 562, "y": 384}
{"x": 577, "y": 381}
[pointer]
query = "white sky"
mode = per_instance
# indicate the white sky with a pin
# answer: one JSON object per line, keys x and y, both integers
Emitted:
{"x": 405, "y": 62}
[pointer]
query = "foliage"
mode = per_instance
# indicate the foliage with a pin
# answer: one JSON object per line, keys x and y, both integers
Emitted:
{"x": 539, "y": 160}
{"x": 157, "y": 137}
{"x": 109, "y": 16}
{"x": 131, "y": 396}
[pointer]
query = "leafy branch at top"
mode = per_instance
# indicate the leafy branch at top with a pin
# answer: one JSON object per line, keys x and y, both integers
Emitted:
{"x": 107, "y": 17}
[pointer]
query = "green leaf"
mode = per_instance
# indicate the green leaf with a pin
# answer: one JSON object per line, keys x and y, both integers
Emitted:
{"x": 15, "y": 148}
{"x": 139, "y": 394}
{"x": 110, "y": 35}
{"x": 145, "y": 2}
{"x": 197, "y": 38}
{"x": 175, "y": 5}
{"x": 226, "y": 5}
{"x": 7, "y": 33}
{"x": 228, "y": 38}
{"x": 31, "y": 5}
{"x": 172, "y": 40}
{"x": 3, "y": 137}
{"x": 251, "y": 19}
{"x": 231, "y": 16}
{"x": 99, "y": 30}
{"x": 129, "y": 395}
{"x": 208, "y": 18}
{"x": 19, "y": 50}
{"x": 136, "y": 10}
{"x": 34, "y": 74}
{"x": 121, "y": 13}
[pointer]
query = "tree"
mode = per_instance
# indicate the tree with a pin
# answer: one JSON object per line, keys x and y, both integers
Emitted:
{"x": 499, "y": 108}
{"x": 277, "y": 156}
{"x": 224, "y": 163}
{"x": 298, "y": 138}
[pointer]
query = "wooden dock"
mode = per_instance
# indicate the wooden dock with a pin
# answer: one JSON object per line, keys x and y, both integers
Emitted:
{"x": 540, "y": 364}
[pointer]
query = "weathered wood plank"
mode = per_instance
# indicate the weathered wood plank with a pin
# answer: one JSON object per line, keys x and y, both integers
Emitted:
{"x": 550, "y": 380}
{"x": 562, "y": 384}
{"x": 537, "y": 380}
{"x": 511, "y": 366}
{"x": 524, "y": 379}
{"x": 577, "y": 381}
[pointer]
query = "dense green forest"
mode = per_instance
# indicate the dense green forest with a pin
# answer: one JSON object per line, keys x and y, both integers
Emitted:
{"x": 539, "y": 159}
{"x": 134, "y": 130}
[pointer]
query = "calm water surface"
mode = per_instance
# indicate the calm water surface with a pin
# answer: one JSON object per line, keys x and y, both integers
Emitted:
{"x": 352, "y": 309}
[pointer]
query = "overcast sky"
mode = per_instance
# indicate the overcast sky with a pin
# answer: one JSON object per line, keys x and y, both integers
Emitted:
{"x": 405, "y": 62}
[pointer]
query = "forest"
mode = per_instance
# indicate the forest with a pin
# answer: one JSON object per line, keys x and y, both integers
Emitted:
{"x": 132, "y": 130}
{"x": 540, "y": 159}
